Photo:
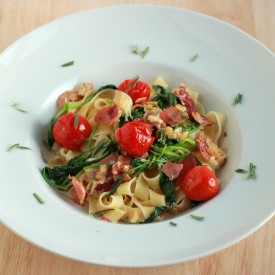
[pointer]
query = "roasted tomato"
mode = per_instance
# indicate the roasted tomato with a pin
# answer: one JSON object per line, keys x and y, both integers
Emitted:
{"x": 139, "y": 91}
{"x": 135, "y": 138}
{"x": 200, "y": 184}
{"x": 71, "y": 130}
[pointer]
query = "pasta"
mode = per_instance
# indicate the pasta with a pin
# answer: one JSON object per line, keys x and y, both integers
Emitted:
{"x": 123, "y": 152}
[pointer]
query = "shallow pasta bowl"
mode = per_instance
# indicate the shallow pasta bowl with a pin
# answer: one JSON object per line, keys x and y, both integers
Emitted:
{"x": 212, "y": 57}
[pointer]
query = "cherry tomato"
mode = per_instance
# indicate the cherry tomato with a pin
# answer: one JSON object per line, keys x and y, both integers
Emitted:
{"x": 135, "y": 138}
{"x": 188, "y": 163}
{"x": 200, "y": 184}
{"x": 139, "y": 93}
{"x": 70, "y": 135}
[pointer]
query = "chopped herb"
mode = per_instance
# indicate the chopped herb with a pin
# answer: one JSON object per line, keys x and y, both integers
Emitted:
{"x": 135, "y": 80}
{"x": 140, "y": 53}
{"x": 241, "y": 171}
{"x": 110, "y": 102}
{"x": 144, "y": 52}
{"x": 98, "y": 213}
{"x": 135, "y": 50}
{"x": 173, "y": 224}
{"x": 38, "y": 198}
{"x": 251, "y": 173}
{"x": 237, "y": 99}
{"x": 194, "y": 58}
{"x": 198, "y": 218}
{"x": 68, "y": 64}
{"x": 18, "y": 146}
{"x": 76, "y": 121}
{"x": 15, "y": 105}
{"x": 92, "y": 135}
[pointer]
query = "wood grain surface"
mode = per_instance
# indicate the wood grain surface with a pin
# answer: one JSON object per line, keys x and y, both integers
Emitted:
{"x": 252, "y": 256}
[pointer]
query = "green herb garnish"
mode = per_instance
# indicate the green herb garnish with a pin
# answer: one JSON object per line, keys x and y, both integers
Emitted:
{"x": 18, "y": 146}
{"x": 237, "y": 99}
{"x": 135, "y": 80}
{"x": 241, "y": 171}
{"x": 38, "y": 198}
{"x": 98, "y": 213}
{"x": 194, "y": 58}
{"x": 251, "y": 172}
{"x": 135, "y": 50}
{"x": 76, "y": 121}
{"x": 198, "y": 218}
{"x": 15, "y": 105}
{"x": 173, "y": 224}
{"x": 142, "y": 53}
{"x": 68, "y": 64}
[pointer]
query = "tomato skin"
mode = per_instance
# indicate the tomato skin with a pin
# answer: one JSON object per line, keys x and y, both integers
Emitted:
{"x": 200, "y": 184}
{"x": 140, "y": 93}
{"x": 65, "y": 134}
{"x": 135, "y": 138}
{"x": 188, "y": 163}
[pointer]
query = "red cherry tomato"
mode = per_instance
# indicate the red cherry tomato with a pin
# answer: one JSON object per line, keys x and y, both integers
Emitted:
{"x": 69, "y": 134}
{"x": 139, "y": 93}
{"x": 188, "y": 163}
{"x": 200, "y": 184}
{"x": 135, "y": 138}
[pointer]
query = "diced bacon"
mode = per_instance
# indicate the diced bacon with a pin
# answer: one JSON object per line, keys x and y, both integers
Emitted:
{"x": 173, "y": 116}
{"x": 210, "y": 151}
{"x": 121, "y": 167}
{"x": 102, "y": 176}
{"x": 188, "y": 163}
{"x": 201, "y": 119}
{"x": 102, "y": 179}
{"x": 79, "y": 189}
{"x": 84, "y": 179}
{"x": 112, "y": 158}
{"x": 104, "y": 187}
{"x": 68, "y": 96}
{"x": 186, "y": 100}
{"x": 172, "y": 170}
{"x": 108, "y": 115}
{"x": 203, "y": 146}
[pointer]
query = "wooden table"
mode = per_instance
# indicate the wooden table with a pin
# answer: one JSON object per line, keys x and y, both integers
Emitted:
{"x": 254, "y": 255}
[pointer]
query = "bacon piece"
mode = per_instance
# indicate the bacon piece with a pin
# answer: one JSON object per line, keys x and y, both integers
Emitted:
{"x": 112, "y": 158}
{"x": 104, "y": 187}
{"x": 107, "y": 116}
{"x": 68, "y": 96}
{"x": 210, "y": 151}
{"x": 102, "y": 178}
{"x": 79, "y": 189}
{"x": 186, "y": 100}
{"x": 203, "y": 146}
{"x": 173, "y": 116}
{"x": 201, "y": 119}
{"x": 121, "y": 167}
{"x": 172, "y": 170}
{"x": 188, "y": 163}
